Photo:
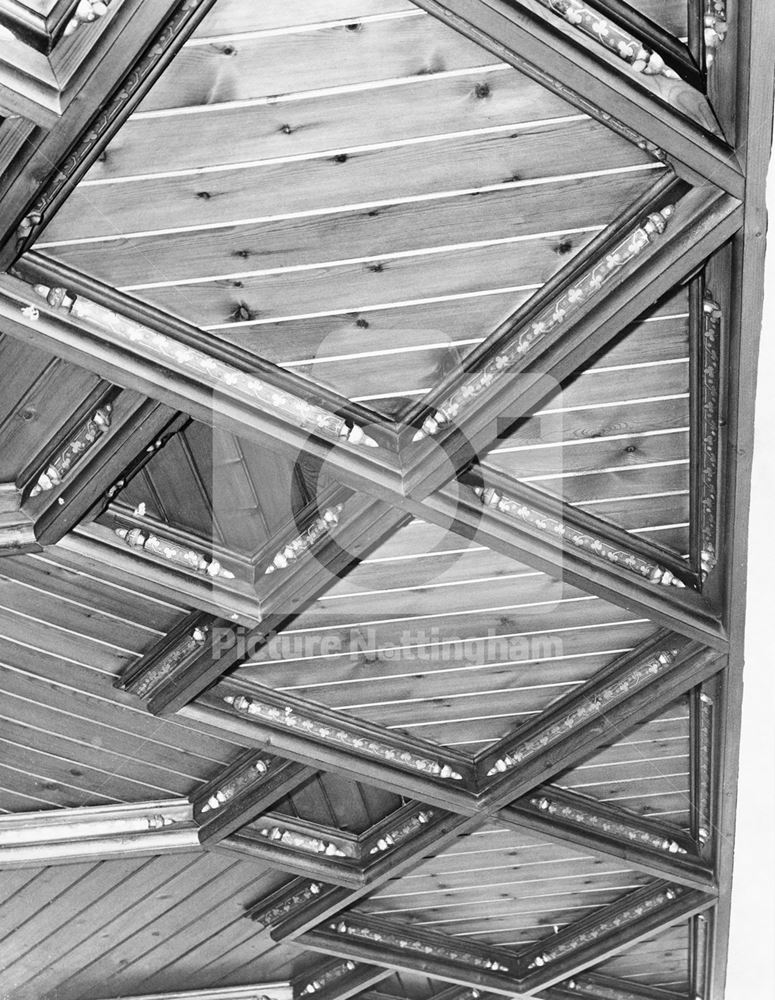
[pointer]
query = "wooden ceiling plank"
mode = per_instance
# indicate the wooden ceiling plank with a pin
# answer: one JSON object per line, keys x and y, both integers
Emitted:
{"x": 541, "y": 45}
{"x": 496, "y": 159}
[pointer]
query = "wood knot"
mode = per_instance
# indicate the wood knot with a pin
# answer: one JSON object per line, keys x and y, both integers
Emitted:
{"x": 362, "y": 323}
{"x": 564, "y": 247}
{"x": 481, "y": 91}
{"x": 204, "y": 195}
{"x": 286, "y": 129}
{"x": 376, "y": 268}
{"x": 229, "y": 50}
{"x": 242, "y": 312}
{"x": 244, "y": 254}
{"x": 355, "y": 26}
{"x": 630, "y": 449}
{"x": 340, "y": 158}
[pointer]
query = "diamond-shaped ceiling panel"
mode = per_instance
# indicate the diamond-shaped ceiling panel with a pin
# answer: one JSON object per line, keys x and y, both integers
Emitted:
{"x": 362, "y": 200}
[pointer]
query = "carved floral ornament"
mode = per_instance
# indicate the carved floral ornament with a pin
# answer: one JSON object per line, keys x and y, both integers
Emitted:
{"x": 221, "y": 376}
{"x": 554, "y": 526}
{"x": 83, "y": 439}
{"x": 86, "y": 12}
{"x": 588, "y": 709}
{"x": 616, "y": 39}
{"x": 303, "y": 542}
{"x": 186, "y": 647}
{"x": 550, "y": 318}
{"x": 302, "y": 842}
{"x": 290, "y": 719}
{"x": 402, "y": 831}
{"x": 238, "y": 783}
{"x": 173, "y": 552}
{"x": 328, "y": 976}
{"x": 710, "y": 406}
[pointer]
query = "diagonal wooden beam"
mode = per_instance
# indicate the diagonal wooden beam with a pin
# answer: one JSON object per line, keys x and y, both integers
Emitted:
{"x": 542, "y": 45}
{"x": 593, "y": 986}
{"x": 169, "y": 360}
{"x": 608, "y": 931}
{"x": 94, "y": 833}
{"x": 563, "y": 326}
{"x": 629, "y": 689}
{"x": 612, "y": 832}
{"x": 567, "y": 543}
{"x": 338, "y": 980}
{"x": 242, "y": 791}
{"x": 412, "y": 948}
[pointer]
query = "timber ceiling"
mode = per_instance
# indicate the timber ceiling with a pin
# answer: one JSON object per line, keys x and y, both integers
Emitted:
{"x": 375, "y": 396}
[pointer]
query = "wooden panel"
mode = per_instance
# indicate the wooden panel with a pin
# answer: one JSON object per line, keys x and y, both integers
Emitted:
{"x": 331, "y": 800}
{"x": 103, "y": 927}
{"x": 450, "y": 641}
{"x": 672, "y": 15}
{"x": 661, "y": 960}
{"x": 646, "y": 772}
{"x": 501, "y": 886}
{"x": 69, "y": 737}
{"x": 614, "y": 440}
{"x": 229, "y": 17}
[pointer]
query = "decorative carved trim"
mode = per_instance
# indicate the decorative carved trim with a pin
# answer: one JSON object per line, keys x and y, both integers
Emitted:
{"x": 557, "y": 528}
{"x": 86, "y": 12}
{"x": 290, "y": 719}
{"x": 699, "y": 955}
{"x": 330, "y": 975}
{"x": 303, "y": 542}
{"x": 709, "y": 406}
{"x": 223, "y": 377}
{"x": 83, "y": 439}
{"x": 173, "y": 552}
{"x": 238, "y": 783}
{"x": 615, "y": 38}
{"x": 715, "y": 27}
{"x": 604, "y": 824}
{"x": 593, "y": 988}
{"x": 550, "y": 318}
{"x": 608, "y": 695}
{"x": 288, "y": 903}
{"x": 704, "y": 768}
{"x": 392, "y": 836}
{"x": 301, "y": 842}
{"x": 109, "y": 118}
{"x": 571, "y": 940}
{"x": 424, "y": 946}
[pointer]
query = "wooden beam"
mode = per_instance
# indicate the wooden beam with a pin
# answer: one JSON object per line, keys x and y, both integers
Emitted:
{"x": 611, "y": 832}
{"x": 629, "y": 689}
{"x": 607, "y": 931}
{"x": 560, "y": 328}
{"x": 593, "y": 986}
{"x": 520, "y": 536}
{"x": 94, "y": 833}
{"x": 244, "y": 790}
{"x": 179, "y": 365}
{"x": 415, "y": 949}
{"x": 71, "y": 475}
{"x": 272, "y": 991}
{"x": 338, "y": 980}
{"x": 543, "y": 46}
{"x": 326, "y": 738}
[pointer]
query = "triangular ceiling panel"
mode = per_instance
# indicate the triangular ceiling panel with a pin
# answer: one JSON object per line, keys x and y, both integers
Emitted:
{"x": 661, "y": 961}
{"x": 614, "y": 439}
{"x": 361, "y": 199}
{"x": 647, "y": 771}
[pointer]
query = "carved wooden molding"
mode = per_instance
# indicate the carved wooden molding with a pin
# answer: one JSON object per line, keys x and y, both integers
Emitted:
{"x": 599, "y": 548}
{"x": 307, "y": 539}
{"x": 83, "y": 439}
{"x": 62, "y": 835}
{"x": 703, "y": 736}
{"x": 710, "y": 375}
{"x": 307, "y": 416}
{"x": 282, "y": 830}
{"x": 338, "y": 980}
{"x": 611, "y": 35}
{"x": 174, "y": 553}
{"x": 700, "y": 953}
{"x": 333, "y": 973}
{"x": 397, "y": 829}
{"x": 715, "y": 26}
{"x": 550, "y": 318}
{"x": 592, "y": 986}
{"x": 86, "y": 12}
{"x": 285, "y": 901}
